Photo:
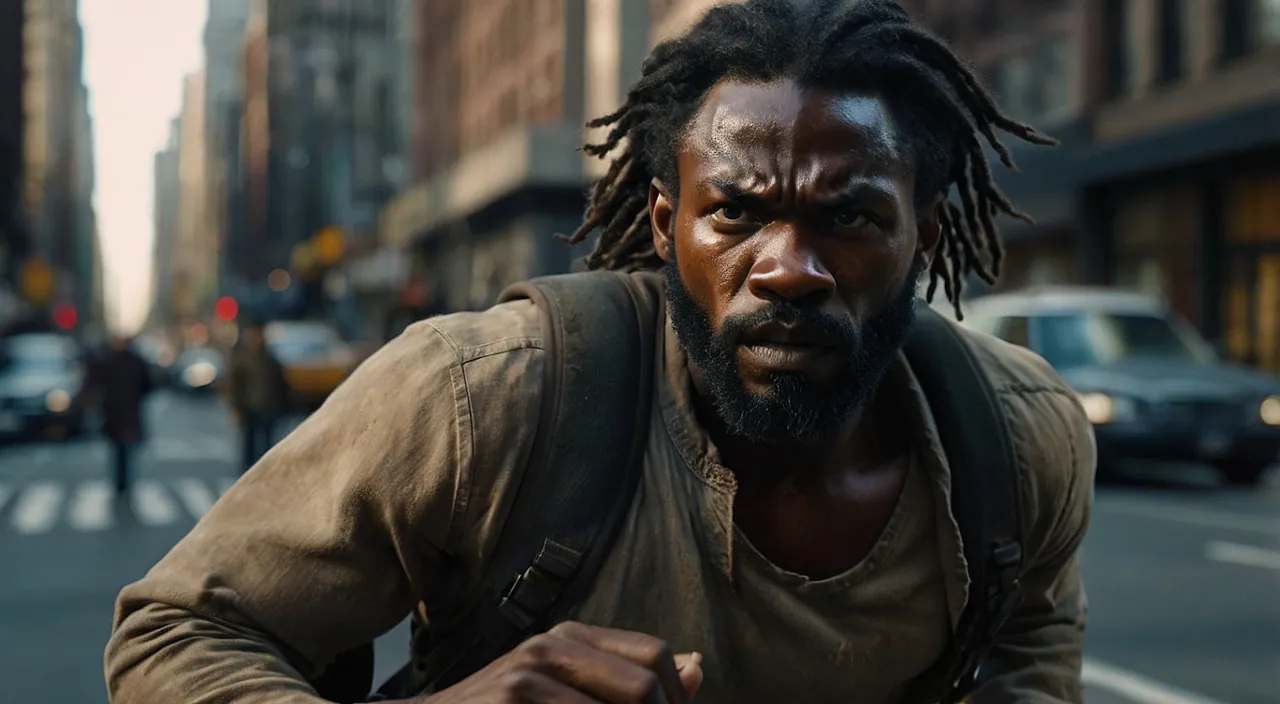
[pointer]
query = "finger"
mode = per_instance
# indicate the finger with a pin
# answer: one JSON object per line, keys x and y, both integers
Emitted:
{"x": 531, "y": 687}
{"x": 644, "y": 650}
{"x": 689, "y": 667}
{"x": 598, "y": 673}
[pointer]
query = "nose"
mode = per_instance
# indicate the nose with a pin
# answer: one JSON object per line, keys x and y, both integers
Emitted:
{"x": 787, "y": 269}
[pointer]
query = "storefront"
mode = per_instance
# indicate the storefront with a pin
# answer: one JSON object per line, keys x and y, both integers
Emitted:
{"x": 1208, "y": 242}
{"x": 1251, "y": 277}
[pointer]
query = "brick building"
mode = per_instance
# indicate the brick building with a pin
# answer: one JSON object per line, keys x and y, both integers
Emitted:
{"x": 1182, "y": 180}
{"x": 1168, "y": 112}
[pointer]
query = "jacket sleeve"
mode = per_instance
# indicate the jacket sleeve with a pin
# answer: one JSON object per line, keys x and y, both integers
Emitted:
{"x": 1038, "y": 655}
{"x": 324, "y": 545}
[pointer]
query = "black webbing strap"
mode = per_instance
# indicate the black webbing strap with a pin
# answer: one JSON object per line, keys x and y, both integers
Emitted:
{"x": 582, "y": 475}
{"x": 984, "y": 490}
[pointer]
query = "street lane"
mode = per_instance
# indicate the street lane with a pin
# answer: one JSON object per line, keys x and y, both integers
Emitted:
{"x": 1183, "y": 593}
{"x": 1184, "y": 589}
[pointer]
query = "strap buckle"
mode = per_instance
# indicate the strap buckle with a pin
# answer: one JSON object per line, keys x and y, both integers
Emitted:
{"x": 532, "y": 594}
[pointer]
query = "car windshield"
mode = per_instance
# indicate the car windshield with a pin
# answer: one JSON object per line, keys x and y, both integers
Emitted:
{"x": 294, "y": 342}
{"x": 37, "y": 355}
{"x": 1083, "y": 339}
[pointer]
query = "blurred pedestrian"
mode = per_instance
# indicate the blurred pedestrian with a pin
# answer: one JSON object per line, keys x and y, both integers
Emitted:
{"x": 122, "y": 381}
{"x": 258, "y": 391}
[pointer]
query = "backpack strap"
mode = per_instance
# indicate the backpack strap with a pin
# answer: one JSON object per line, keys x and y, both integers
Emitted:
{"x": 985, "y": 497}
{"x": 583, "y": 471}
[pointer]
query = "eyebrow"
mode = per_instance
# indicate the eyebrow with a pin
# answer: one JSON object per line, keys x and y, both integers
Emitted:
{"x": 854, "y": 193}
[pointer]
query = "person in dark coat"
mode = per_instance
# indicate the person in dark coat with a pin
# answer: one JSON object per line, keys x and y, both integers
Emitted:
{"x": 259, "y": 393}
{"x": 122, "y": 381}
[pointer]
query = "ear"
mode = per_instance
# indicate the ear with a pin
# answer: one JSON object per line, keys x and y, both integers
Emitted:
{"x": 929, "y": 230}
{"x": 662, "y": 218}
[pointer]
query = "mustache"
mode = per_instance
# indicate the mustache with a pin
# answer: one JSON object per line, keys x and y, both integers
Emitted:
{"x": 840, "y": 332}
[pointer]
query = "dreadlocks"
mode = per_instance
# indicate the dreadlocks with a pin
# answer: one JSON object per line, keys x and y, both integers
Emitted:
{"x": 823, "y": 44}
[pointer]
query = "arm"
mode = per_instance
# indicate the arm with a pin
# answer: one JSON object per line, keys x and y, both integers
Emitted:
{"x": 1038, "y": 655}
{"x": 326, "y": 544}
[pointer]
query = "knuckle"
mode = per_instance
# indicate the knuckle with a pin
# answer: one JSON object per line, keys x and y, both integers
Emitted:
{"x": 655, "y": 653}
{"x": 519, "y": 685}
{"x": 534, "y": 652}
{"x": 646, "y": 687}
{"x": 567, "y": 629}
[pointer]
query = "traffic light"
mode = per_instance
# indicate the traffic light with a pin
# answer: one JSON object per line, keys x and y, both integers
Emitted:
{"x": 226, "y": 308}
{"x": 64, "y": 316}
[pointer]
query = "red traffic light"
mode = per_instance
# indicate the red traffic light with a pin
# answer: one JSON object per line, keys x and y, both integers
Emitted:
{"x": 64, "y": 316}
{"x": 226, "y": 308}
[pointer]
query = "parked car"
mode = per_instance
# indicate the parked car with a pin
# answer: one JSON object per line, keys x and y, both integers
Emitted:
{"x": 198, "y": 370}
{"x": 315, "y": 358}
{"x": 42, "y": 386}
{"x": 1152, "y": 386}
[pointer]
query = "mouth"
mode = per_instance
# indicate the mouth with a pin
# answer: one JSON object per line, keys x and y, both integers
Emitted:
{"x": 779, "y": 347}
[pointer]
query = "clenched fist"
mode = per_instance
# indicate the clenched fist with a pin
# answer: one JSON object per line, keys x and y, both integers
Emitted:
{"x": 578, "y": 664}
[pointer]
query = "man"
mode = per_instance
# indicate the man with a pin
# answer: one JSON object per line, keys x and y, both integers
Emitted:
{"x": 122, "y": 381}
{"x": 785, "y": 167}
{"x": 258, "y": 393}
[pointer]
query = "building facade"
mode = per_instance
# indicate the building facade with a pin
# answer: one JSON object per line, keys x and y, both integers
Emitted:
{"x": 224, "y": 35}
{"x": 195, "y": 242}
{"x": 57, "y": 142}
{"x": 1183, "y": 178}
{"x": 507, "y": 88}
{"x": 165, "y": 196}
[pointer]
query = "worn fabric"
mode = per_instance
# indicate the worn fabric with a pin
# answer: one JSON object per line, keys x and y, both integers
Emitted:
{"x": 396, "y": 490}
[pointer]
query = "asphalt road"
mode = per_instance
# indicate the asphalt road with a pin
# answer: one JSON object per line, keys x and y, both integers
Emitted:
{"x": 1183, "y": 575}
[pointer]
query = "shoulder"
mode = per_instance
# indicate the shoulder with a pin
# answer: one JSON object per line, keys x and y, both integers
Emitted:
{"x": 1052, "y": 438}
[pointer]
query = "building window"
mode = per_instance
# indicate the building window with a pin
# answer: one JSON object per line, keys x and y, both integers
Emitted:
{"x": 1236, "y": 39}
{"x": 1116, "y": 43}
{"x": 1038, "y": 87}
{"x": 1170, "y": 38}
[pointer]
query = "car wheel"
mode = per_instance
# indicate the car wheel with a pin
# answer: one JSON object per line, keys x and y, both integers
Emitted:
{"x": 1243, "y": 473}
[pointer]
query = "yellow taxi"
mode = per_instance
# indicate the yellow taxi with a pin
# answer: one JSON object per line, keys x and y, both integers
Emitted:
{"x": 315, "y": 358}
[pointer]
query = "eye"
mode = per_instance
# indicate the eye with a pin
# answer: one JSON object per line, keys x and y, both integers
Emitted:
{"x": 851, "y": 218}
{"x": 731, "y": 213}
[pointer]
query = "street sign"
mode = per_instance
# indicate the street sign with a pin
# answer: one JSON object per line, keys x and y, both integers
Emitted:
{"x": 37, "y": 280}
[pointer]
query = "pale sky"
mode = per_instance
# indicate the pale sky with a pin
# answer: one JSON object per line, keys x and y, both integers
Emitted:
{"x": 136, "y": 54}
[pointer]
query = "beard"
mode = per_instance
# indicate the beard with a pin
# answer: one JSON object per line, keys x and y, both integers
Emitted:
{"x": 795, "y": 409}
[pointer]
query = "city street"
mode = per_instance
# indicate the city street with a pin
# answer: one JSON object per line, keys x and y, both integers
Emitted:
{"x": 1183, "y": 576}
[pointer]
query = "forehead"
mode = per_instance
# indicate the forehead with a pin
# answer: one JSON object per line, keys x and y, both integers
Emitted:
{"x": 782, "y": 125}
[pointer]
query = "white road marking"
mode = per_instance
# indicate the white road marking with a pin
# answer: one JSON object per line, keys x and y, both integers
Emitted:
{"x": 41, "y": 457}
{"x": 1235, "y": 553}
{"x": 91, "y": 506}
{"x": 197, "y": 497}
{"x": 152, "y": 504}
{"x": 1136, "y": 687}
{"x": 37, "y": 508}
{"x": 1194, "y": 516}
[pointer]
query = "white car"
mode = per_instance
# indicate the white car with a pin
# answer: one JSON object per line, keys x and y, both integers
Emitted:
{"x": 1152, "y": 386}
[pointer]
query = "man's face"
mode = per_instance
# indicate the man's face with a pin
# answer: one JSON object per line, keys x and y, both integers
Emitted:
{"x": 793, "y": 254}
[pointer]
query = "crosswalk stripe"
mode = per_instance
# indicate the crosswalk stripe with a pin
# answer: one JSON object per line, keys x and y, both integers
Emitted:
{"x": 91, "y": 506}
{"x": 37, "y": 508}
{"x": 197, "y": 497}
{"x": 152, "y": 505}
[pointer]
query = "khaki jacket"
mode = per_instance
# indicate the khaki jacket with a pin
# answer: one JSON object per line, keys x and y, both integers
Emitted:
{"x": 394, "y": 492}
